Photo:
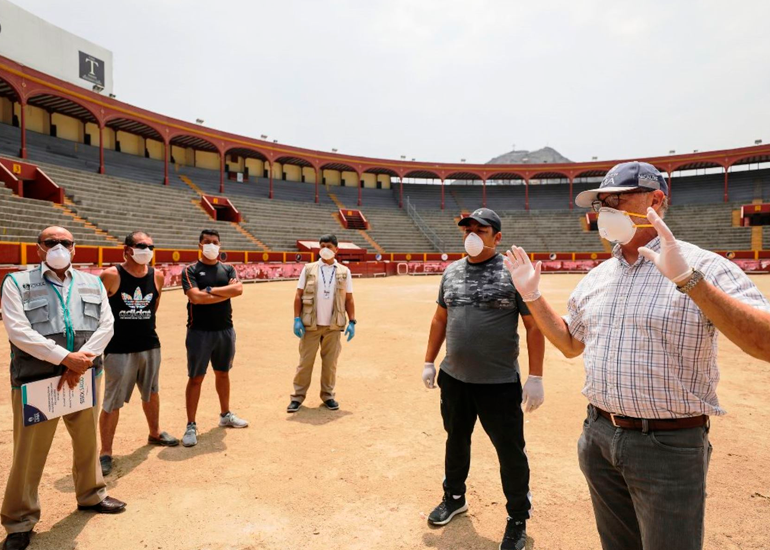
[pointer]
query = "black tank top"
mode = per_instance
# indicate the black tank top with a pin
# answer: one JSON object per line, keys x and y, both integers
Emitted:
{"x": 133, "y": 307}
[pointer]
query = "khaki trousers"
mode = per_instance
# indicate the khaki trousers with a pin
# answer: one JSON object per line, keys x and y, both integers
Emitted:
{"x": 329, "y": 341}
{"x": 21, "y": 505}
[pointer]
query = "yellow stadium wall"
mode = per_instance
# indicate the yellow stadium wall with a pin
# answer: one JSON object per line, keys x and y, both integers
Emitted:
{"x": 93, "y": 131}
{"x": 332, "y": 177}
{"x": 351, "y": 179}
{"x": 131, "y": 144}
{"x": 180, "y": 156}
{"x": 37, "y": 120}
{"x": 309, "y": 174}
{"x": 6, "y": 110}
{"x": 293, "y": 173}
{"x": 235, "y": 164}
{"x": 155, "y": 148}
{"x": 109, "y": 138}
{"x": 256, "y": 168}
{"x": 205, "y": 159}
{"x": 67, "y": 128}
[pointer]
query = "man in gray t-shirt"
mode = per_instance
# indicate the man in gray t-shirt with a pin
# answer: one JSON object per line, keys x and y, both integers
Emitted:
{"x": 478, "y": 316}
{"x": 483, "y": 307}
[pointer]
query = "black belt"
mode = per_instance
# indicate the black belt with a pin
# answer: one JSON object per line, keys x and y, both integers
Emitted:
{"x": 628, "y": 423}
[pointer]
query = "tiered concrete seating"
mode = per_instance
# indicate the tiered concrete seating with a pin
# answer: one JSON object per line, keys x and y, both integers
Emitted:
{"x": 279, "y": 223}
{"x": 120, "y": 206}
{"x": 21, "y": 220}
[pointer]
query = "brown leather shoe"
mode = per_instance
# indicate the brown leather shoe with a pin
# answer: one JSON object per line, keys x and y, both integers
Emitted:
{"x": 108, "y": 506}
{"x": 17, "y": 541}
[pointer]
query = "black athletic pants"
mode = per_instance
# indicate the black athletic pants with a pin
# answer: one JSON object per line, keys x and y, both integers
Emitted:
{"x": 498, "y": 406}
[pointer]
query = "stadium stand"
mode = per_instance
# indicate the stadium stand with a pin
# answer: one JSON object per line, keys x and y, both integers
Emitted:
{"x": 118, "y": 206}
{"x": 132, "y": 190}
{"x": 20, "y": 221}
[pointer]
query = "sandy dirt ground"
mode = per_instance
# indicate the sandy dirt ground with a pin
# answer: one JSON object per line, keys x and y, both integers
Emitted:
{"x": 366, "y": 476}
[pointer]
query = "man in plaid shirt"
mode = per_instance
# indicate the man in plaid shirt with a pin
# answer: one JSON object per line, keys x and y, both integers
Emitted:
{"x": 646, "y": 322}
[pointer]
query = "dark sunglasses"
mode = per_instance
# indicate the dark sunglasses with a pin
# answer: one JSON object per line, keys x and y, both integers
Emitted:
{"x": 50, "y": 243}
{"x": 613, "y": 200}
{"x": 144, "y": 246}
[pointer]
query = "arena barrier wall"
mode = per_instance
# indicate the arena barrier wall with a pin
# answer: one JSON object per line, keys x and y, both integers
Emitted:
{"x": 276, "y": 266}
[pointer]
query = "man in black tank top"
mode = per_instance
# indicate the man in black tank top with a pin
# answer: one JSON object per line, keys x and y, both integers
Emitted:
{"x": 132, "y": 357}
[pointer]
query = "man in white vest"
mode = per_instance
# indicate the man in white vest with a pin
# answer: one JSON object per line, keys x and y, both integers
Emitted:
{"x": 58, "y": 321}
{"x": 322, "y": 305}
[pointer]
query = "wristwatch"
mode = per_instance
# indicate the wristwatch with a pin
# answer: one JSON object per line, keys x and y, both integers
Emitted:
{"x": 697, "y": 276}
{"x": 208, "y": 289}
{"x": 352, "y": 321}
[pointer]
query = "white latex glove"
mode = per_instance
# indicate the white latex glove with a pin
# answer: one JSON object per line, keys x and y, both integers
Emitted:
{"x": 670, "y": 262}
{"x": 533, "y": 394}
{"x": 429, "y": 375}
{"x": 526, "y": 278}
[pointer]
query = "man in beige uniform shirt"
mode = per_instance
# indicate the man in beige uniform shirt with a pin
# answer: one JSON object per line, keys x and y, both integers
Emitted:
{"x": 324, "y": 297}
{"x": 58, "y": 321}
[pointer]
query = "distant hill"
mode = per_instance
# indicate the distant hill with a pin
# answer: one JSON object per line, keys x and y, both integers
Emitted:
{"x": 546, "y": 155}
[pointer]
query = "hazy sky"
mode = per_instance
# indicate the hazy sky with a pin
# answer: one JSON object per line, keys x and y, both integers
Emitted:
{"x": 444, "y": 79}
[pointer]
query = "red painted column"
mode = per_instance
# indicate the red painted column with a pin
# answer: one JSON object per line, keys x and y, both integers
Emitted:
{"x": 570, "y": 192}
{"x": 101, "y": 149}
{"x": 726, "y": 192}
{"x": 484, "y": 193}
{"x": 401, "y": 193}
{"x": 442, "y": 193}
{"x": 669, "y": 188}
{"x": 270, "y": 168}
{"x": 221, "y": 172}
{"x": 360, "y": 186}
{"x": 166, "y": 160}
{"x": 526, "y": 194}
{"x": 316, "y": 185}
{"x": 23, "y": 109}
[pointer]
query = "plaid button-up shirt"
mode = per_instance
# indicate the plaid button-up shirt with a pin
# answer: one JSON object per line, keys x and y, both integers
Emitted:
{"x": 649, "y": 351}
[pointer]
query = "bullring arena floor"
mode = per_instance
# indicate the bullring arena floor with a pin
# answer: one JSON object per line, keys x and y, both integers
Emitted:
{"x": 364, "y": 477}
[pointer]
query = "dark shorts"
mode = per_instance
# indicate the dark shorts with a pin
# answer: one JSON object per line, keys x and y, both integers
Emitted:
{"x": 217, "y": 346}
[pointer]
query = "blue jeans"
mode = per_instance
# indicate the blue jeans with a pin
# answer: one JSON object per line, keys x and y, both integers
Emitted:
{"x": 648, "y": 489}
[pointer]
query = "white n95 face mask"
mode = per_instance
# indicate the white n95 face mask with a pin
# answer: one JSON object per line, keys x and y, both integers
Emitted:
{"x": 211, "y": 251}
{"x": 142, "y": 256}
{"x": 473, "y": 245}
{"x": 616, "y": 226}
{"x": 58, "y": 257}
{"x": 326, "y": 253}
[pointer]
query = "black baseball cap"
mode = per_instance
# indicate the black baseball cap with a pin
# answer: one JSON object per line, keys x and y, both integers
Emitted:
{"x": 484, "y": 216}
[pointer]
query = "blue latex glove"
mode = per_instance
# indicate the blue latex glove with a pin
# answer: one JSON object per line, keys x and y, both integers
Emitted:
{"x": 299, "y": 328}
{"x": 350, "y": 331}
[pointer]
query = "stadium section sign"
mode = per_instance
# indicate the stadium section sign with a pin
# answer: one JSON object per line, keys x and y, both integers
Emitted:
{"x": 91, "y": 69}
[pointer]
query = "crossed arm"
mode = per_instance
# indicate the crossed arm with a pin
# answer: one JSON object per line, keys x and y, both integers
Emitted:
{"x": 218, "y": 294}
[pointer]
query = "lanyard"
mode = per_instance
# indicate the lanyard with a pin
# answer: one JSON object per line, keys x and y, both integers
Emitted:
{"x": 328, "y": 288}
{"x": 69, "y": 331}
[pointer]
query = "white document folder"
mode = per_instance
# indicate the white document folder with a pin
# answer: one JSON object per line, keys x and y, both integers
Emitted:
{"x": 41, "y": 400}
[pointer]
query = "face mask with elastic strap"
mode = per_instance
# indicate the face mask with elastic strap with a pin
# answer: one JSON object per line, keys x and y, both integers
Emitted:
{"x": 68, "y": 329}
{"x": 617, "y": 226}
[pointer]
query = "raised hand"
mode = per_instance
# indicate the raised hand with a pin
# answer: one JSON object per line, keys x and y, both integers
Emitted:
{"x": 670, "y": 261}
{"x": 525, "y": 276}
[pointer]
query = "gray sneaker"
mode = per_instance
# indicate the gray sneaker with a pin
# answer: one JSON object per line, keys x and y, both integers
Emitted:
{"x": 190, "y": 438}
{"x": 231, "y": 421}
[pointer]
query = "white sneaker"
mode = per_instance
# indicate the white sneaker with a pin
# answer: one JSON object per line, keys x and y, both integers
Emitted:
{"x": 190, "y": 438}
{"x": 231, "y": 421}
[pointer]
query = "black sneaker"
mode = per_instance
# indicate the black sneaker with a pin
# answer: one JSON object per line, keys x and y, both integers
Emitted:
{"x": 449, "y": 508}
{"x": 106, "y": 463}
{"x": 515, "y": 537}
{"x": 293, "y": 407}
{"x": 331, "y": 404}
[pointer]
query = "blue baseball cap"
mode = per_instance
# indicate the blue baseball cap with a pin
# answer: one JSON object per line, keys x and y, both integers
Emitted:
{"x": 625, "y": 177}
